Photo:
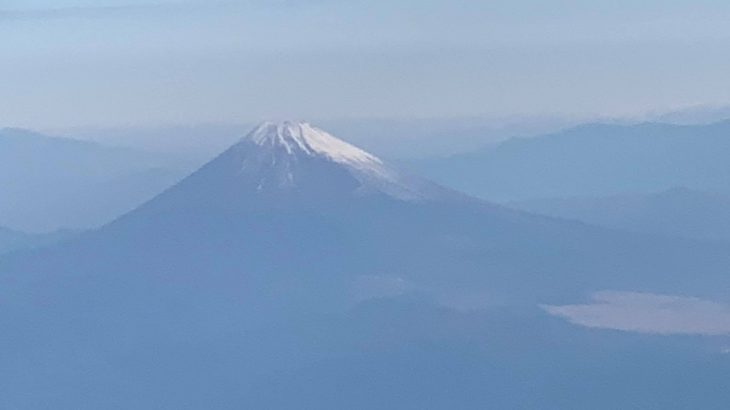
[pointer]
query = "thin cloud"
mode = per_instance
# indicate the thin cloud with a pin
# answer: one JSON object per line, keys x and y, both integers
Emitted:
{"x": 101, "y": 11}
{"x": 72, "y": 12}
{"x": 648, "y": 313}
{"x": 150, "y": 7}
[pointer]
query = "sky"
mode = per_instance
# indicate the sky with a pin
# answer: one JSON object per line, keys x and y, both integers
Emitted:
{"x": 75, "y": 63}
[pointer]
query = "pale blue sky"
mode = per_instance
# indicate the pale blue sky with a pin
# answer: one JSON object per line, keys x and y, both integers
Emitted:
{"x": 115, "y": 62}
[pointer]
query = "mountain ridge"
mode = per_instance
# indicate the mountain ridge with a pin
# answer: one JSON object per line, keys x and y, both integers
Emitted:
{"x": 678, "y": 211}
{"x": 591, "y": 160}
{"x": 284, "y": 163}
{"x": 214, "y": 288}
{"x": 51, "y": 183}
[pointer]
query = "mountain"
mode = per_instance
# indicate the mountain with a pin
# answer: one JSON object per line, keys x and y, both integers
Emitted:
{"x": 697, "y": 114}
{"x": 188, "y": 144}
{"x": 592, "y": 160}
{"x": 678, "y": 212}
{"x": 50, "y": 182}
{"x": 11, "y": 240}
{"x": 295, "y": 163}
{"x": 386, "y": 137}
{"x": 295, "y": 270}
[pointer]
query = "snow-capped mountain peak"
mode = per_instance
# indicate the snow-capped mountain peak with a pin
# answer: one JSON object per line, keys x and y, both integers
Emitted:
{"x": 301, "y": 137}
{"x": 290, "y": 163}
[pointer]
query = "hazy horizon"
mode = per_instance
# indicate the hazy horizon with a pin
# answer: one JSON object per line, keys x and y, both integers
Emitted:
{"x": 151, "y": 63}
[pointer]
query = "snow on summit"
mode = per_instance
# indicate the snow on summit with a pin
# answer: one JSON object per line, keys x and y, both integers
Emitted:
{"x": 303, "y": 137}
{"x": 299, "y": 160}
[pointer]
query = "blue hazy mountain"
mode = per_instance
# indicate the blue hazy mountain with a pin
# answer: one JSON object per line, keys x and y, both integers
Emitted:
{"x": 11, "y": 240}
{"x": 679, "y": 212}
{"x": 592, "y": 160}
{"x": 297, "y": 271}
{"x": 49, "y": 183}
{"x": 386, "y": 137}
{"x": 696, "y": 114}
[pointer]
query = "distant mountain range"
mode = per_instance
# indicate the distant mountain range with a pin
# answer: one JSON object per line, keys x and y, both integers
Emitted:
{"x": 678, "y": 212}
{"x": 697, "y": 114}
{"x": 295, "y": 270}
{"x": 387, "y": 138}
{"x": 592, "y": 160}
{"x": 49, "y": 183}
{"x": 11, "y": 240}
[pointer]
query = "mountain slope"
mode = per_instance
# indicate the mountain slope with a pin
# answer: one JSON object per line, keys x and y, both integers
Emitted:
{"x": 291, "y": 159}
{"x": 243, "y": 286}
{"x": 49, "y": 183}
{"x": 262, "y": 198}
{"x": 11, "y": 240}
{"x": 592, "y": 160}
{"x": 679, "y": 212}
